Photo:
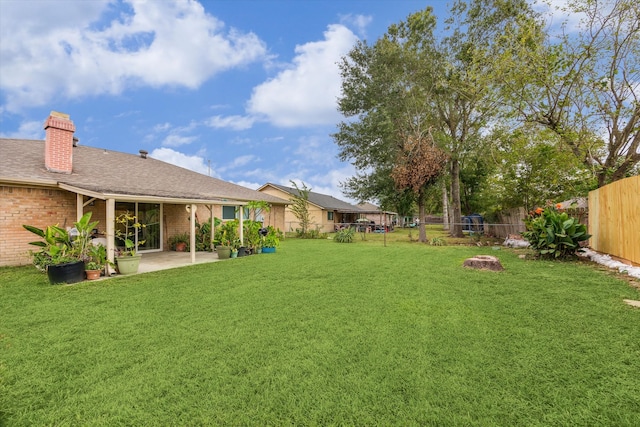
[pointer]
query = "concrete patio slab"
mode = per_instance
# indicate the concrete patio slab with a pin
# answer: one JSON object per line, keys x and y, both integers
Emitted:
{"x": 155, "y": 261}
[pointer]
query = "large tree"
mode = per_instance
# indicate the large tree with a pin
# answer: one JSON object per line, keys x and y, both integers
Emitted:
{"x": 531, "y": 169}
{"x": 410, "y": 76}
{"x": 417, "y": 167}
{"x": 582, "y": 83}
{"x": 387, "y": 87}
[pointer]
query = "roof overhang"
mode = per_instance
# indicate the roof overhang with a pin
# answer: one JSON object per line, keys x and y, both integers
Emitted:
{"x": 150, "y": 199}
{"x": 28, "y": 182}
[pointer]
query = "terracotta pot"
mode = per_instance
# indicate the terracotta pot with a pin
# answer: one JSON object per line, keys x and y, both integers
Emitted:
{"x": 93, "y": 274}
{"x": 181, "y": 247}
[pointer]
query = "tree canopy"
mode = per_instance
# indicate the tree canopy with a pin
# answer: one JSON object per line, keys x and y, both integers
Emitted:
{"x": 522, "y": 108}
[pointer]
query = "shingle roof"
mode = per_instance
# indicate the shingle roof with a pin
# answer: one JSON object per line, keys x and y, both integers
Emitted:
{"x": 111, "y": 172}
{"x": 325, "y": 201}
{"x": 370, "y": 207}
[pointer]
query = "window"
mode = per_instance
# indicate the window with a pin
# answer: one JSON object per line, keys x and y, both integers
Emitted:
{"x": 228, "y": 212}
{"x": 330, "y": 215}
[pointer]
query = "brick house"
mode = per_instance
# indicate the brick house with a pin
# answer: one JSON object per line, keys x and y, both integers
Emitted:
{"x": 326, "y": 212}
{"x": 56, "y": 181}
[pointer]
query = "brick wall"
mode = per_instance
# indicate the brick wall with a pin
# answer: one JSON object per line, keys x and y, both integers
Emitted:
{"x": 39, "y": 207}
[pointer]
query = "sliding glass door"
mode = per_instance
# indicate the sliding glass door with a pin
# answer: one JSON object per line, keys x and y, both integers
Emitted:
{"x": 147, "y": 238}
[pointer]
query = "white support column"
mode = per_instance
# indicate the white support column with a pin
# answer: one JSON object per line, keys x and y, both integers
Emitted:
{"x": 241, "y": 231}
{"x": 79, "y": 206}
{"x": 213, "y": 227}
{"x": 111, "y": 232}
{"x": 192, "y": 233}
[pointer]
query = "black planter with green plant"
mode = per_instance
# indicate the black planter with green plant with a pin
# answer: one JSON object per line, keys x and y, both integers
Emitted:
{"x": 63, "y": 253}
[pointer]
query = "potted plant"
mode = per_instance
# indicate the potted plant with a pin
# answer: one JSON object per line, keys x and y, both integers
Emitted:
{"x": 271, "y": 239}
{"x": 252, "y": 236}
{"x": 128, "y": 258}
{"x": 227, "y": 235}
{"x": 179, "y": 242}
{"x": 97, "y": 261}
{"x": 63, "y": 252}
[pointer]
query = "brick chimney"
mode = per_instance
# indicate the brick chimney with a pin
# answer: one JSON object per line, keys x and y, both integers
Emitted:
{"x": 58, "y": 144}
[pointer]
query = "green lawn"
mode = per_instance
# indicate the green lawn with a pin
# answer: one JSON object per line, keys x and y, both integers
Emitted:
{"x": 324, "y": 334}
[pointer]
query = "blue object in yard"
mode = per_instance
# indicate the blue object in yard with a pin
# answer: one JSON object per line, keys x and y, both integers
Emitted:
{"x": 473, "y": 223}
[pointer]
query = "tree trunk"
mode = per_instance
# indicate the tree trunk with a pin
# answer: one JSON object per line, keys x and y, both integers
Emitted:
{"x": 422, "y": 230}
{"x": 456, "y": 229}
{"x": 445, "y": 207}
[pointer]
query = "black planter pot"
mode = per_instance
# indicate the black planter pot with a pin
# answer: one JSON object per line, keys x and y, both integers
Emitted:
{"x": 242, "y": 251}
{"x": 71, "y": 272}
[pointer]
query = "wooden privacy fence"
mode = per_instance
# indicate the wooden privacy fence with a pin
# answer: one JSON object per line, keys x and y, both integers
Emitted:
{"x": 509, "y": 222}
{"x": 614, "y": 219}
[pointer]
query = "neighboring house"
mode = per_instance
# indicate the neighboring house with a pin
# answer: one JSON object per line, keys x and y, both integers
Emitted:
{"x": 374, "y": 214}
{"x": 326, "y": 212}
{"x": 56, "y": 181}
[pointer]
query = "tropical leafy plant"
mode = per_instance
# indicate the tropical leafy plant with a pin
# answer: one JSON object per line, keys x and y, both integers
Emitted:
{"x": 59, "y": 246}
{"x": 203, "y": 234}
{"x": 345, "y": 235}
{"x": 272, "y": 237}
{"x": 252, "y": 234}
{"x": 127, "y": 227}
{"x": 227, "y": 233}
{"x": 552, "y": 233}
{"x": 97, "y": 257}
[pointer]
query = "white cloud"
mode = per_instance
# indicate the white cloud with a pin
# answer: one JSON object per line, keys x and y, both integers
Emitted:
{"x": 237, "y": 164}
{"x": 162, "y": 127}
{"x": 249, "y": 184}
{"x": 175, "y": 140}
{"x": 98, "y": 47}
{"x": 194, "y": 163}
{"x": 243, "y": 160}
{"x": 231, "y": 122}
{"x": 27, "y": 130}
{"x": 306, "y": 93}
{"x": 329, "y": 182}
{"x": 359, "y": 22}
{"x": 325, "y": 182}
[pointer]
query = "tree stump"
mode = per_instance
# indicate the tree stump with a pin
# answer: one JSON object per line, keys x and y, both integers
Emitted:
{"x": 484, "y": 262}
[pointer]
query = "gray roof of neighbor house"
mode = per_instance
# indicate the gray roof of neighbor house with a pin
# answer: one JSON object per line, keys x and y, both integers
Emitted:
{"x": 322, "y": 200}
{"x": 370, "y": 208}
{"x": 99, "y": 172}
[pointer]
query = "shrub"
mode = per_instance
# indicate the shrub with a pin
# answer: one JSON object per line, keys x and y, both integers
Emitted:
{"x": 438, "y": 241}
{"x": 552, "y": 233}
{"x": 345, "y": 235}
{"x": 309, "y": 234}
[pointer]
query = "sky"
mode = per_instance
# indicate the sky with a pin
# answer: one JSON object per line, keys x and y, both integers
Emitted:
{"x": 242, "y": 90}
